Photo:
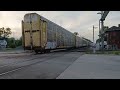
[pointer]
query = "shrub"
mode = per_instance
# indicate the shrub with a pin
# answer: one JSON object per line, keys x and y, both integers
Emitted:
{"x": 12, "y": 46}
{"x": 116, "y": 53}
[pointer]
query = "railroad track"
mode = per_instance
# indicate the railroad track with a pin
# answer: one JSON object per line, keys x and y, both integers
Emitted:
{"x": 12, "y": 67}
{"x": 24, "y": 58}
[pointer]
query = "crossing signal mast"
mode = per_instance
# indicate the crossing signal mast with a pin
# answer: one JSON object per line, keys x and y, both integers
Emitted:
{"x": 101, "y": 31}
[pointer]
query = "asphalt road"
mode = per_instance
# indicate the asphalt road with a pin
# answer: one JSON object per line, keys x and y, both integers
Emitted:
{"x": 93, "y": 66}
{"x": 41, "y": 66}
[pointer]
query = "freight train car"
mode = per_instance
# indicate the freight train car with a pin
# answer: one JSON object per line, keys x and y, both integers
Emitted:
{"x": 41, "y": 34}
{"x": 86, "y": 42}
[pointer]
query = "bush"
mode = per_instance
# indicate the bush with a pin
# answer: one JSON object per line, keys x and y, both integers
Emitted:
{"x": 116, "y": 53}
{"x": 12, "y": 46}
{"x": 12, "y": 43}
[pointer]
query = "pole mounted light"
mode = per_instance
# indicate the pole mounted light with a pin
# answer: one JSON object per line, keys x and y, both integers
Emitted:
{"x": 101, "y": 32}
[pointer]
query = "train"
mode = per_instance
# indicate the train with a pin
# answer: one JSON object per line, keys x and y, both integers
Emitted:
{"x": 42, "y": 35}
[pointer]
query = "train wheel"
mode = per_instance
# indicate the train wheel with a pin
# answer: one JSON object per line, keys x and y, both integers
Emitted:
{"x": 45, "y": 51}
{"x": 48, "y": 51}
{"x": 36, "y": 51}
{"x": 41, "y": 52}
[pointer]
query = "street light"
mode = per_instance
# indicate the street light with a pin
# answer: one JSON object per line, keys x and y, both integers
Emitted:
{"x": 93, "y": 39}
{"x": 99, "y": 27}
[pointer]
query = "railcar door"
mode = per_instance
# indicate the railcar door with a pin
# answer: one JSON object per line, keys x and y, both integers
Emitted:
{"x": 27, "y": 28}
{"x": 43, "y": 33}
{"x": 36, "y": 34}
{"x": 32, "y": 31}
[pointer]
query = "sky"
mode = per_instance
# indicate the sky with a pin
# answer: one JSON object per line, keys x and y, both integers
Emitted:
{"x": 74, "y": 21}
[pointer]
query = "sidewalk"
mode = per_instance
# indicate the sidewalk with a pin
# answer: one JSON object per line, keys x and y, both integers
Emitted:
{"x": 93, "y": 67}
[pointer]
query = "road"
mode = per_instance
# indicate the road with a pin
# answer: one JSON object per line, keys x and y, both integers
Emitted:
{"x": 40, "y": 66}
{"x": 59, "y": 65}
{"x": 93, "y": 66}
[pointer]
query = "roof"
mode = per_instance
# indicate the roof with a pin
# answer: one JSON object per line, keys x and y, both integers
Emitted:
{"x": 113, "y": 28}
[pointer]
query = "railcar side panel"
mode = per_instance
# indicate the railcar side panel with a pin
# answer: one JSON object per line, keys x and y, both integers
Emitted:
{"x": 41, "y": 33}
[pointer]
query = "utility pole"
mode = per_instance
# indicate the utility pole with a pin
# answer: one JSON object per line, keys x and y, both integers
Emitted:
{"x": 93, "y": 40}
{"x": 102, "y": 35}
{"x": 99, "y": 35}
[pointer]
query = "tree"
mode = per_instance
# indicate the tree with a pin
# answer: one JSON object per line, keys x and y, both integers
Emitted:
{"x": 11, "y": 42}
{"x": 1, "y": 31}
{"x": 18, "y": 42}
{"x": 98, "y": 40}
{"x": 76, "y": 33}
{"x": 5, "y": 32}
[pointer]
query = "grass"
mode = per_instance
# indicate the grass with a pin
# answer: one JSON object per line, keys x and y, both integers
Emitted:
{"x": 114, "y": 52}
{"x": 6, "y": 49}
{"x": 105, "y": 52}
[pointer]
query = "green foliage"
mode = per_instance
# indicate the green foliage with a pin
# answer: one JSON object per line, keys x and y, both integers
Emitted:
{"x": 12, "y": 43}
{"x": 18, "y": 42}
{"x": 5, "y": 32}
{"x": 106, "y": 28}
{"x": 117, "y": 53}
{"x": 76, "y": 33}
{"x": 1, "y": 31}
{"x": 98, "y": 40}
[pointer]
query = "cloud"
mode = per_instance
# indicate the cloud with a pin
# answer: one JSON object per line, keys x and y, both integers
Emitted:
{"x": 74, "y": 21}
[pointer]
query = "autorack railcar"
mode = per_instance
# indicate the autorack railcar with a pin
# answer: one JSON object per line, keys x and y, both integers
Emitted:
{"x": 41, "y": 34}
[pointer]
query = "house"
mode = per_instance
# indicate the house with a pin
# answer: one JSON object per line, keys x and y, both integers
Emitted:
{"x": 3, "y": 43}
{"x": 113, "y": 37}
